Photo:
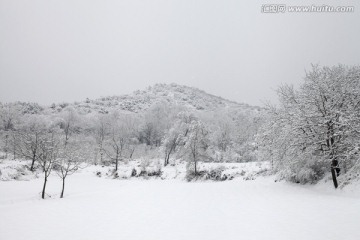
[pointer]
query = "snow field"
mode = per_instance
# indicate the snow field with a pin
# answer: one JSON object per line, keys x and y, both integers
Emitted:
{"x": 103, "y": 208}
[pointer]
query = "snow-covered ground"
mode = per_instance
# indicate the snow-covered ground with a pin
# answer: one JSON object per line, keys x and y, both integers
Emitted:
{"x": 104, "y": 208}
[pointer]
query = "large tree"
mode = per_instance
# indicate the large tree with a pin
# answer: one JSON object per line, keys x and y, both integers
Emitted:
{"x": 317, "y": 126}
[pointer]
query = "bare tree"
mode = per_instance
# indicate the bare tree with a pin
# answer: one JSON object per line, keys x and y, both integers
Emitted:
{"x": 29, "y": 137}
{"x": 69, "y": 123}
{"x": 101, "y": 130}
{"x": 156, "y": 121}
{"x": 133, "y": 142}
{"x": 120, "y": 136}
{"x": 196, "y": 143}
{"x": 71, "y": 156}
{"x": 48, "y": 156}
{"x": 176, "y": 135}
{"x": 171, "y": 140}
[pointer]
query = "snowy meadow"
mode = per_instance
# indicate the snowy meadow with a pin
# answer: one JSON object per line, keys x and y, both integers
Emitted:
{"x": 105, "y": 208}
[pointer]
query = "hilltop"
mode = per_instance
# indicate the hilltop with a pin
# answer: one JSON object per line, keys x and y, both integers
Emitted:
{"x": 140, "y": 100}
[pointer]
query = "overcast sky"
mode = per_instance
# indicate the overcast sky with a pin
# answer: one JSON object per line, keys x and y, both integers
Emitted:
{"x": 54, "y": 51}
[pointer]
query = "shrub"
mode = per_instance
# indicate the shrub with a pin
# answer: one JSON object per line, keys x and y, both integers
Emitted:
{"x": 304, "y": 171}
{"x": 191, "y": 176}
{"x": 149, "y": 169}
{"x": 216, "y": 174}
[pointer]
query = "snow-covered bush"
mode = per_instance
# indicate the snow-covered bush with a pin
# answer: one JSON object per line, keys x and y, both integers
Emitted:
{"x": 216, "y": 174}
{"x": 302, "y": 175}
{"x": 149, "y": 168}
{"x": 192, "y": 176}
{"x": 303, "y": 168}
{"x": 16, "y": 170}
{"x": 144, "y": 164}
{"x": 352, "y": 175}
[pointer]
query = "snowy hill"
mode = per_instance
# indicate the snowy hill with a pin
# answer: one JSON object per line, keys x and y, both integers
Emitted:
{"x": 141, "y": 100}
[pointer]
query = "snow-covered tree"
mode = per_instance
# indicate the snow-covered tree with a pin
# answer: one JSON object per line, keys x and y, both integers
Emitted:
{"x": 30, "y": 136}
{"x": 10, "y": 115}
{"x": 196, "y": 144}
{"x": 316, "y": 127}
{"x": 100, "y": 131}
{"x": 69, "y": 121}
{"x": 174, "y": 138}
{"x": 156, "y": 121}
{"x": 120, "y": 137}
{"x": 71, "y": 156}
{"x": 48, "y": 155}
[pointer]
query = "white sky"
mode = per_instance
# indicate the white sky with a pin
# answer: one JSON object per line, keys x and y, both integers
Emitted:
{"x": 54, "y": 51}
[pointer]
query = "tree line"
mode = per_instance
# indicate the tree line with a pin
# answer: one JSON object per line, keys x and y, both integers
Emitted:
{"x": 63, "y": 141}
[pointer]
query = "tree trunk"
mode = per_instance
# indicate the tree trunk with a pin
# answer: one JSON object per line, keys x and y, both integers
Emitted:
{"x": 14, "y": 151}
{"x": 32, "y": 163}
{"x": 131, "y": 154}
{"x": 43, "y": 191}
{"x": 6, "y": 146}
{"x": 63, "y": 188}
{"x": 167, "y": 156}
{"x": 334, "y": 177}
{"x": 335, "y": 171}
{"x": 344, "y": 166}
{"x": 101, "y": 152}
{"x": 195, "y": 163}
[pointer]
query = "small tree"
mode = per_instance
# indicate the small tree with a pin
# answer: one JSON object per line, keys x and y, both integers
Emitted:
{"x": 196, "y": 144}
{"x": 48, "y": 156}
{"x": 69, "y": 120}
{"x": 175, "y": 136}
{"x": 101, "y": 130}
{"x": 121, "y": 130}
{"x": 71, "y": 157}
{"x": 29, "y": 137}
{"x": 172, "y": 139}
